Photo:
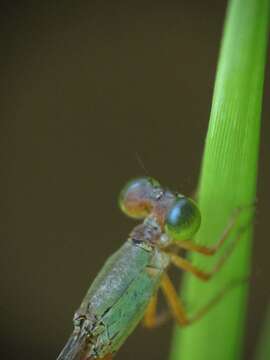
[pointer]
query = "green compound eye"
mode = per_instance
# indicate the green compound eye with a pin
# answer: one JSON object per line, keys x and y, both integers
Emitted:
{"x": 135, "y": 197}
{"x": 183, "y": 219}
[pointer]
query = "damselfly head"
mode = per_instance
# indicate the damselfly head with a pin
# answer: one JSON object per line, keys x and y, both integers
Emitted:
{"x": 178, "y": 216}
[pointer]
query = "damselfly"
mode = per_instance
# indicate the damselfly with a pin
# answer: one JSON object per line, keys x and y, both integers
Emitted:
{"x": 125, "y": 290}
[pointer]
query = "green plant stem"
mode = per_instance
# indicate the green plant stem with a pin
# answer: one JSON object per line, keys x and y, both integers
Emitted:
{"x": 227, "y": 181}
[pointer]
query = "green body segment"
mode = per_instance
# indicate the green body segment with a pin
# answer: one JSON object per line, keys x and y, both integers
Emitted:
{"x": 117, "y": 299}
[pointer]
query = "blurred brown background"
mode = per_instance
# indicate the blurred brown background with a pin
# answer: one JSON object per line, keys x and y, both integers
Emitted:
{"x": 85, "y": 87}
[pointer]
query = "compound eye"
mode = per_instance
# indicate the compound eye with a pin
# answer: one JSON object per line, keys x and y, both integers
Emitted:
{"x": 183, "y": 219}
{"x": 135, "y": 197}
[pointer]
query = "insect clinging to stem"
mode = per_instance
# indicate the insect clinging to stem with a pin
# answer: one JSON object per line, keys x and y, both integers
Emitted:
{"x": 125, "y": 290}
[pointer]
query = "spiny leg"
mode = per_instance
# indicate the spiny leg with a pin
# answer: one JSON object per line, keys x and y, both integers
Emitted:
{"x": 175, "y": 304}
{"x": 212, "y": 249}
{"x": 151, "y": 318}
{"x": 184, "y": 264}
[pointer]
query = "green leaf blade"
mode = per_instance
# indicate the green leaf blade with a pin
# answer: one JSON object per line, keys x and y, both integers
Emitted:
{"x": 228, "y": 180}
